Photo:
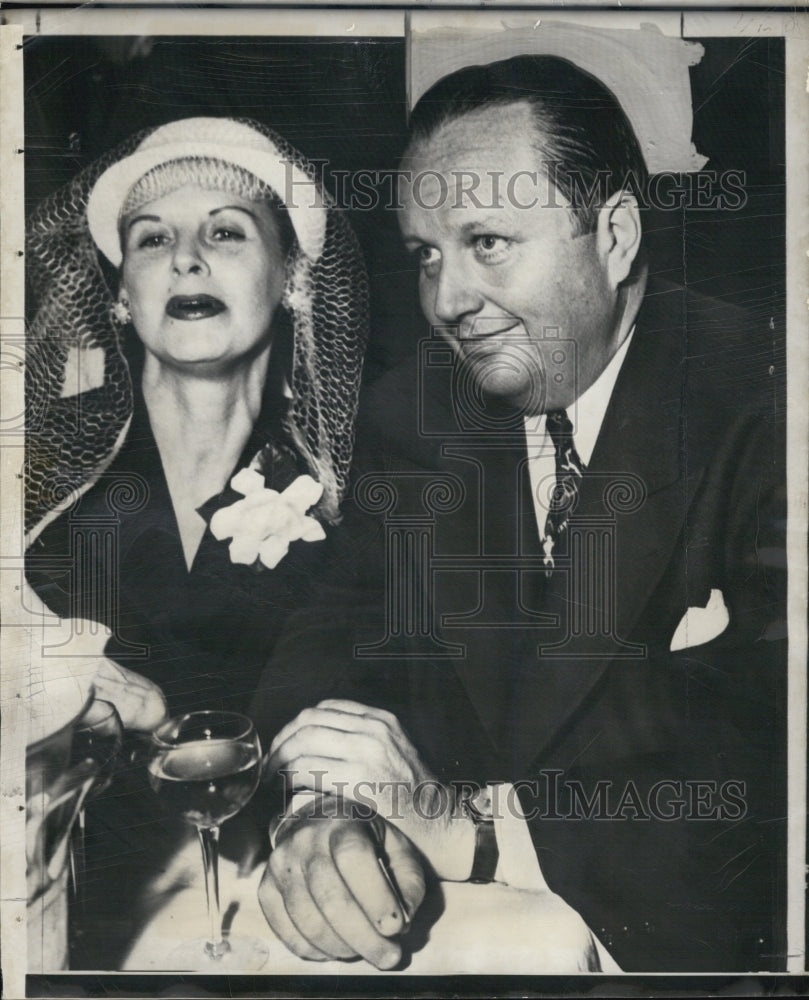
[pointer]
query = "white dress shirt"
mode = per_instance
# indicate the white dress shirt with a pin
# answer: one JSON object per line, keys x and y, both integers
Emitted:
{"x": 587, "y": 416}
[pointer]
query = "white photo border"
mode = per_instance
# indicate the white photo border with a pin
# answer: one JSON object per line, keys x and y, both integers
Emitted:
{"x": 385, "y": 19}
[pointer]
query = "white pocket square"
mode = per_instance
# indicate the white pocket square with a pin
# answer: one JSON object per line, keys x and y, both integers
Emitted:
{"x": 700, "y": 625}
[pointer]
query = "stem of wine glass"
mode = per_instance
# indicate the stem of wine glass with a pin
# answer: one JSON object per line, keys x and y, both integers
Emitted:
{"x": 78, "y": 858}
{"x": 215, "y": 946}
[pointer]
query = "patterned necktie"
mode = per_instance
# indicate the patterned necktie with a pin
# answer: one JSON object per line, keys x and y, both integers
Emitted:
{"x": 569, "y": 470}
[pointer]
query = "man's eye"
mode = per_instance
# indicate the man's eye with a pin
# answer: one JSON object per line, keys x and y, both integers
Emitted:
{"x": 488, "y": 245}
{"x": 428, "y": 256}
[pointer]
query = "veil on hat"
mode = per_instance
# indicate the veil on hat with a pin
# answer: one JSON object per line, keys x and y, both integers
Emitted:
{"x": 79, "y": 394}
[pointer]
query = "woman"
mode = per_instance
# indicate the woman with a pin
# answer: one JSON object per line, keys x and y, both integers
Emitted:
{"x": 199, "y": 314}
{"x": 212, "y": 349}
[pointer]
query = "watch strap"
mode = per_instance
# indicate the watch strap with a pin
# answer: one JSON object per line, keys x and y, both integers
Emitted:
{"x": 479, "y": 808}
{"x": 487, "y": 853}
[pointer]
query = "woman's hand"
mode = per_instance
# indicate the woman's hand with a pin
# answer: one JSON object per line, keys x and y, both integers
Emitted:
{"x": 140, "y": 704}
{"x": 363, "y": 754}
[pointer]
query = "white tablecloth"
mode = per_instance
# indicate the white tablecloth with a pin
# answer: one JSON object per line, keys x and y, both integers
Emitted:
{"x": 461, "y": 928}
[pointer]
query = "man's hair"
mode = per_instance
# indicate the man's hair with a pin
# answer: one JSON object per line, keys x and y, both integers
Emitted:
{"x": 588, "y": 146}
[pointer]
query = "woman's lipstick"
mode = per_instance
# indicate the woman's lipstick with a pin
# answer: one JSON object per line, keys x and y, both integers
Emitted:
{"x": 192, "y": 307}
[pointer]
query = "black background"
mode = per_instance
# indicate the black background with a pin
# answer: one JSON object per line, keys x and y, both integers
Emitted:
{"x": 336, "y": 101}
{"x": 344, "y": 103}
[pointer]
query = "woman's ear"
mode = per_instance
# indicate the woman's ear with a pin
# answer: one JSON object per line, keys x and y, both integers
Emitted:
{"x": 619, "y": 235}
{"x": 120, "y": 309}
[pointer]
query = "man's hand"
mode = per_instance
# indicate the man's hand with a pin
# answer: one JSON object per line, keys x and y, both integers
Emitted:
{"x": 368, "y": 742}
{"x": 325, "y": 895}
{"x": 362, "y": 753}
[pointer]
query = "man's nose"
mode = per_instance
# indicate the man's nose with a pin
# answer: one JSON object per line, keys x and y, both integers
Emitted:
{"x": 188, "y": 256}
{"x": 455, "y": 295}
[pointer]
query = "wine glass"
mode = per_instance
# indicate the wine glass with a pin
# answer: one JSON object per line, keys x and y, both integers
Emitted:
{"x": 97, "y": 740}
{"x": 206, "y": 766}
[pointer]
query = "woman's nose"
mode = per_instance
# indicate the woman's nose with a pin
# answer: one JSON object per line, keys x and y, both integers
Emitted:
{"x": 455, "y": 295}
{"x": 188, "y": 256}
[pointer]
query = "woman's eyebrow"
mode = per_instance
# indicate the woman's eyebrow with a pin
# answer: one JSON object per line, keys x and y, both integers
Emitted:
{"x": 239, "y": 208}
{"x": 143, "y": 218}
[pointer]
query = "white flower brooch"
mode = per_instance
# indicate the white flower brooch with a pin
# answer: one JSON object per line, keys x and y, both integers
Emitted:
{"x": 265, "y": 522}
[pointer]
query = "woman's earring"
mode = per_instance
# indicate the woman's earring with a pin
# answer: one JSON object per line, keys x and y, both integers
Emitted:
{"x": 121, "y": 313}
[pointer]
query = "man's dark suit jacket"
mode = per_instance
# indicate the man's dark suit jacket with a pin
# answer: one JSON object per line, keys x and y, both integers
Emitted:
{"x": 655, "y": 778}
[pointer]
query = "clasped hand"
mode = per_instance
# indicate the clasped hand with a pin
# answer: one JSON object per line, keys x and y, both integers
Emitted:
{"x": 324, "y": 892}
{"x": 363, "y": 754}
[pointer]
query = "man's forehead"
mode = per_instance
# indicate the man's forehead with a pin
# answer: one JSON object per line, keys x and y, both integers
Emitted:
{"x": 488, "y": 136}
{"x": 488, "y": 159}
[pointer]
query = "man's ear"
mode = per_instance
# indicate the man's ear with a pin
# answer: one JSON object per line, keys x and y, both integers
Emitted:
{"x": 619, "y": 235}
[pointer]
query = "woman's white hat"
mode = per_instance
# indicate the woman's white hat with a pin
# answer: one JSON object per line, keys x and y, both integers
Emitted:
{"x": 213, "y": 138}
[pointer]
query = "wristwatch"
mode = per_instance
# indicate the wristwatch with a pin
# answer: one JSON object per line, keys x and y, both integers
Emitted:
{"x": 477, "y": 805}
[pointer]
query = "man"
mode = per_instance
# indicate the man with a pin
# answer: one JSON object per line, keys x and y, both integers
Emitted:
{"x": 606, "y": 626}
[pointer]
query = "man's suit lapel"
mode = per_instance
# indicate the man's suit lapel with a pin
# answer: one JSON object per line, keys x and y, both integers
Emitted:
{"x": 635, "y": 481}
{"x": 495, "y": 630}
{"x": 636, "y": 476}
